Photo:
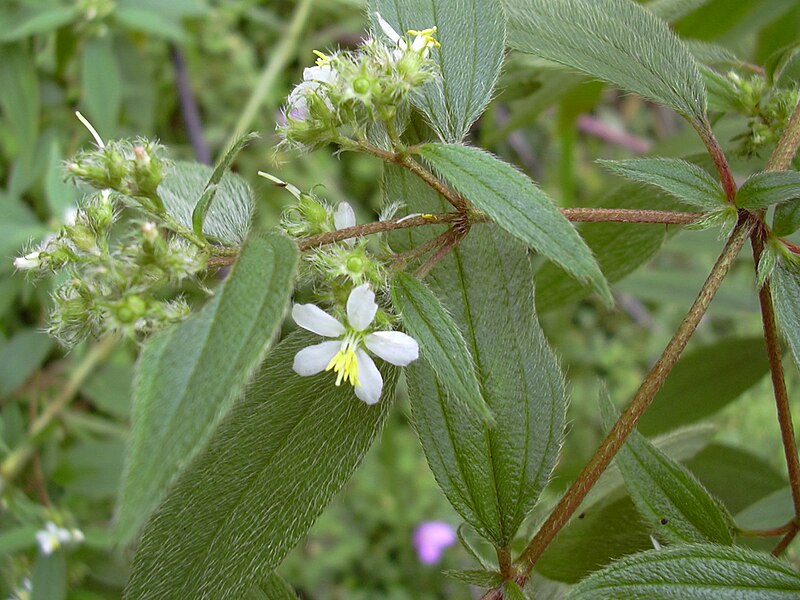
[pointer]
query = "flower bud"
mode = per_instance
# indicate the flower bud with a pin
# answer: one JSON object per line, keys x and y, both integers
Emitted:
{"x": 28, "y": 262}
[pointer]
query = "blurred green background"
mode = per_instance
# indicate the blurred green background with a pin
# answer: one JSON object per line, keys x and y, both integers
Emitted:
{"x": 131, "y": 66}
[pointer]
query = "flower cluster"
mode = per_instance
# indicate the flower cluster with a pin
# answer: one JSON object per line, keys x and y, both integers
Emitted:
{"x": 117, "y": 264}
{"x": 347, "y": 93}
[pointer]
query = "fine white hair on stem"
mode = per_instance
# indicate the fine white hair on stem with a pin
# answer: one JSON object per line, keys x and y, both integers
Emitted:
{"x": 91, "y": 129}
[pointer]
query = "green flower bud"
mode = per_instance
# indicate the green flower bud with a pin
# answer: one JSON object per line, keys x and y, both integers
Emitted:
{"x": 82, "y": 236}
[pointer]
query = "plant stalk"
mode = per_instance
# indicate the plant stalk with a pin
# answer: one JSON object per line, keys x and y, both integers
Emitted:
{"x": 572, "y": 499}
{"x": 278, "y": 60}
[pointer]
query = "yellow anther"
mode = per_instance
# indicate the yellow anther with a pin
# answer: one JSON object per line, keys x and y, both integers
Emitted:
{"x": 345, "y": 365}
{"x": 323, "y": 59}
{"x": 427, "y": 35}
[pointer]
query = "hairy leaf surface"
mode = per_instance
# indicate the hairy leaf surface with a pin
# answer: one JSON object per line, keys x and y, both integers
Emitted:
{"x": 491, "y": 475}
{"x": 472, "y": 36}
{"x": 189, "y": 375}
{"x": 693, "y": 572}
{"x": 617, "y": 41}
{"x": 517, "y": 205}
{"x": 269, "y": 470}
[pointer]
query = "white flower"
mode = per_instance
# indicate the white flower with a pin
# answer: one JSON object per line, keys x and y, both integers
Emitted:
{"x": 344, "y": 355}
{"x": 27, "y": 262}
{"x": 313, "y": 78}
{"x": 52, "y": 537}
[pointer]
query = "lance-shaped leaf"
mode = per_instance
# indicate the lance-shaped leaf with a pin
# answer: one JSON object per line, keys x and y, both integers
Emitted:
{"x": 188, "y": 376}
{"x": 517, "y": 205}
{"x": 227, "y": 219}
{"x": 673, "y": 502}
{"x": 492, "y": 475}
{"x": 767, "y": 188}
{"x": 617, "y": 41}
{"x": 440, "y": 340}
{"x": 270, "y": 469}
{"x": 693, "y": 572}
{"x": 204, "y": 202}
{"x": 620, "y": 248}
{"x": 682, "y": 179}
{"x": 472, "y": 37}
{"x": 786, "y": 292}
{"x": 786, "y": 219}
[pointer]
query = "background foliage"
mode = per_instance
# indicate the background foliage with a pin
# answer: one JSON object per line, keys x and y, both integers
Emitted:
{"x": 122, "y": 64}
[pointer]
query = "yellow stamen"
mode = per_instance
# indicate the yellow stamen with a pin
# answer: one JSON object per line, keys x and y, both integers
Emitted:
{"x": 323, "y": 59}
{"x": 427, "y": 35}
{"x": 345, "y": 365}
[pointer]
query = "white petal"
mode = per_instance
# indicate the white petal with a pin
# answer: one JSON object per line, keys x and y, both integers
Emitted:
{"x": 387, "y": 29}
{"x": 316, "y": 320}
{"x": 314, "y": 359}
{"x": 344, "y": 216}
{"x": 361, "y": 307}
{"x": 370, "y": 382}
{"x": 393, "y": 346}
{"x": 322, "y": 74}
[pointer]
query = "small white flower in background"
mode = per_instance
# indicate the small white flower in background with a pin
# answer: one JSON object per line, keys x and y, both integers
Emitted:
{"x": 52, "y": 537}
{"x": 345, "y": 355}
{"x": 313, "y": 78}
{"x": 423, "y": 40}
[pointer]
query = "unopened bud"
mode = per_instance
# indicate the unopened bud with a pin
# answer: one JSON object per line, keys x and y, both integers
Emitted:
{"x": 28, "y": 262}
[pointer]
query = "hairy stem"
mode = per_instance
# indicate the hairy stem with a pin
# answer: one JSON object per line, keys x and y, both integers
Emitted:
{"x": 778, "y": 381}
{"x": 785, "y": 151}
{"x": 720, "y": 161}
{"x": 644, "y": 396}
{"x": 278, "y": 60}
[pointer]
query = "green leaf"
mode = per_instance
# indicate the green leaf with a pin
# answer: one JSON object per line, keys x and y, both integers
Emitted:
{"x": 511, "y": 591}
{"x": 472, "y": 37}
{"x": 785, "y": 292}
{"x": 49, "y": 577}
{"x": 769, "y": 187}
{"x": 704, "y": 381}
{"x": 17, "y": 539}
{"x": 41, "y": 21}
{"x": 671, "y": 10}
{"x": 228, "y": 218}
{"x": 101, "y": 85}
{"x": 19, "y": 97}
{"x": 274, "y": 588}
{"x": 271, "y": 467}
{"x": 603, "y": 532}
{"x": 606, "y": 39}
{"x": 620, "y": 248}
{"x": 477, "y": 577}
{"x": 673, "y": 502}
{"x": 441, "y": 342}
{"x": 776, "y": 507}
{"x": 21, "y": 356}
{"x": 786, "y": 219}
{"x": 491, "y": 475}
{"x": 735, "y": 475}
{"x": 682, "y": 179}
{"x": 189, "y": 375}
{"x": 517, "y": 205}
{"x": 693, "y": 572}
{"x": 150, "y": 21}
{"x": 204, "y": 203}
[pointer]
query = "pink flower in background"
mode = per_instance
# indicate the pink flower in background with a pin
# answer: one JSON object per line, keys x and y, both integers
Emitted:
{"x": 430, "y": 540}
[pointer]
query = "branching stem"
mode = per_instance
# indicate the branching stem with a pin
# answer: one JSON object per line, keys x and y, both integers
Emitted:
{"x": 644, "y": 396}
